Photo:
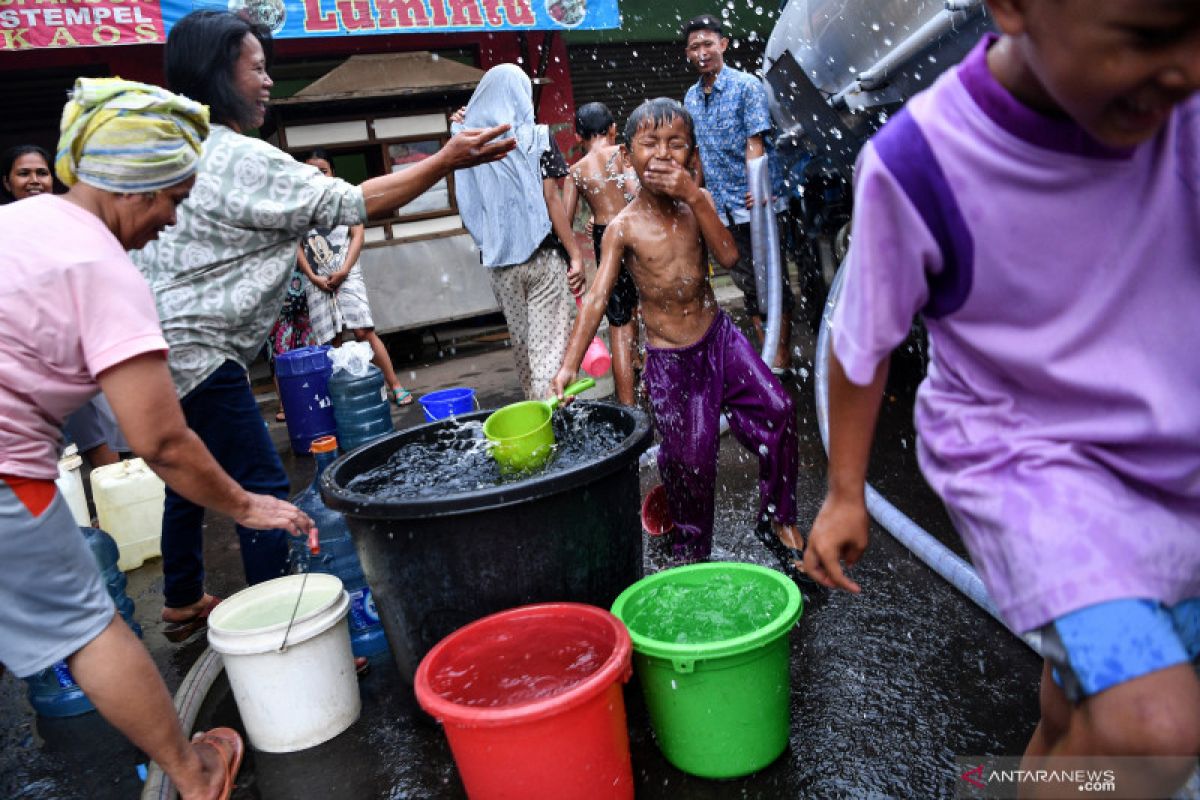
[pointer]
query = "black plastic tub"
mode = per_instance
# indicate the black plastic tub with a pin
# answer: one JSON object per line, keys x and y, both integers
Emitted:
{"x": 436, "y": 564}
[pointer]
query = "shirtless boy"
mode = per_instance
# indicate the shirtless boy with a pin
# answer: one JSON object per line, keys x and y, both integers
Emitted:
{"x": 604, "y": 181}
{"x": 697, "y": 362}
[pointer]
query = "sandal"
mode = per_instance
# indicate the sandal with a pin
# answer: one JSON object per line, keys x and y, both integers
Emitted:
{"x": 230, "y": 749}
{"x": 181, "y": 630}
{"x": 401, "y": 396}
{"x": 280, "y": 416}
{"x": 791, "y": 559}
{"x": 361, "y": 666}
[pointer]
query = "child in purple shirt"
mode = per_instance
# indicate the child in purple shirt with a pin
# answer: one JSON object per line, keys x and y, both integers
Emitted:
{"x": 1038, "y": 207}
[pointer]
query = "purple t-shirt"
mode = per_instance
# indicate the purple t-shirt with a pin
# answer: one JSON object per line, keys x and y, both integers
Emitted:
{"x": 1059, "y": 280}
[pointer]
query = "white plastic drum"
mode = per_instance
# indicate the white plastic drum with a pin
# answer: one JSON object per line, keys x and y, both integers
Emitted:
{"x": 304, "y": 694}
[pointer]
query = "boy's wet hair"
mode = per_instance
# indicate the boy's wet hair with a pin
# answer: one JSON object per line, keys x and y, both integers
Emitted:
{"x": 656, "y": 113}
{"x": 704, "y": 22}
{"x": 593, "y": 119}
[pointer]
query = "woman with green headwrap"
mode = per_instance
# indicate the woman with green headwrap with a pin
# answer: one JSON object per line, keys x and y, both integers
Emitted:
{"x": 76, "y": 317}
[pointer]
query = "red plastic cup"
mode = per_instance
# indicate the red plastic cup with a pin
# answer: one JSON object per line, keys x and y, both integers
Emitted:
{"x": 531, "y": 713}
{"x": 656, "y": 512}
{"x": 596, "y": 360}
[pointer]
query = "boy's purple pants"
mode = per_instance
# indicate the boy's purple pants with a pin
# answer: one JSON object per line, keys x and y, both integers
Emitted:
{"x": 689, "y": 387}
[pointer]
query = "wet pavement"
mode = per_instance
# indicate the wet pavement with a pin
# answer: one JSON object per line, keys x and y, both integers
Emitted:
{"x": 887, "y": 687}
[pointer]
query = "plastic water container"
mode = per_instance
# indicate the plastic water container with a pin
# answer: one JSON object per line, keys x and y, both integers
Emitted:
{"x": 360, "y": 407}
{"x": 287, "y": 655}
{"x": 53, "y": 691}
{"x": 129, "y": 501}
{"x": 70, "y": 485}
{"x": 338, "y": 557}
{"x": 531, "y": 702}
{"x": 448, "y": 403}
{"x": 303, "y": 377}
{"x": 710, "y": 648}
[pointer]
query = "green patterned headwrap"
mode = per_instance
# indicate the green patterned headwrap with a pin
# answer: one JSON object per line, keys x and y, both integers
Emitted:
{"x": 128, "y": 137}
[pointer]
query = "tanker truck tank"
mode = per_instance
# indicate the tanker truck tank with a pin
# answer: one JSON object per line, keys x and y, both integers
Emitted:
{"x": 835, "y": 69}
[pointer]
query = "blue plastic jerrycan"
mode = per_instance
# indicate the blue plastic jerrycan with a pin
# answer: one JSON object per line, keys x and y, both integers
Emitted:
{"x": 338, "y": 557}
{"x": 360, "y": 407}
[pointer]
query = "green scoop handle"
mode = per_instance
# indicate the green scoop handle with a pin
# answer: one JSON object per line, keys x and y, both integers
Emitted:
{"x": 573, "y": 389}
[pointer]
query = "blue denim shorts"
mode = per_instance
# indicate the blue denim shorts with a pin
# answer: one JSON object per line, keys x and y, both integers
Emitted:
{"x": 1098, "y": 647}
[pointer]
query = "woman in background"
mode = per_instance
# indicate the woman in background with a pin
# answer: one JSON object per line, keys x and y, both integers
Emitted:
{"x": 24, "y": 172}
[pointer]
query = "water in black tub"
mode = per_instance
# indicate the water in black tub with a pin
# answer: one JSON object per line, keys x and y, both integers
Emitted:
{"x": 455, "y": 459}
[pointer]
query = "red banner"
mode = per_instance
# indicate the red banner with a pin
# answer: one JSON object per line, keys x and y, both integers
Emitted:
{"x": 26, "y": 24}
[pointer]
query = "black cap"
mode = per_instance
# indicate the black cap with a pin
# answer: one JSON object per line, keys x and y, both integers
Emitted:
{"x": 704, "y": 22}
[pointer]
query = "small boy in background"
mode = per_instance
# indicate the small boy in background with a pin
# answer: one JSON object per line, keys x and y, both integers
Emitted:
{"x": 697, "y": 362}
{"x": 1038, "y": 206}
{"x": 606, "y": 185}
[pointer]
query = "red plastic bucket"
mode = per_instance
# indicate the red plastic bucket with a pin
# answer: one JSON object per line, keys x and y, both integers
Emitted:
{"x": 531, "y": 702}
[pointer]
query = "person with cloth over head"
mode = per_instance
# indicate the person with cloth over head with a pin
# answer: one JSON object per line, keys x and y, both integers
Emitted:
{"x": 220, "y": 275}
{"x": 77, "y": 318}
{"x": 515, "y": 214}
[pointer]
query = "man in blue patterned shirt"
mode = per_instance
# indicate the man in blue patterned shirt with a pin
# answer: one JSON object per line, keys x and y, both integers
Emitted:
{"x": 733, "y": 126}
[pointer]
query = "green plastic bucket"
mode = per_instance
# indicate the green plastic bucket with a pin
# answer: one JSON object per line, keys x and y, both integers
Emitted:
{"x": 710, "y": 648}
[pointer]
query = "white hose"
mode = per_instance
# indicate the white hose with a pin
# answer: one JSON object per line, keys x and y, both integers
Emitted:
{"x": 195, "y": 687}
{"x": 957, "y": 572}
{"x": 764, "y": 244}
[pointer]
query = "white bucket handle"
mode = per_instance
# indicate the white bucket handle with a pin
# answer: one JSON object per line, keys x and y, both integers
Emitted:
{"x": 295, "y": 608}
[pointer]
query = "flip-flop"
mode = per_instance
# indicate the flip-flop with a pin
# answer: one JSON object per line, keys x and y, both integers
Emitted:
{"x": 280, "y": 416}
{"x": 401, "y": 396}
{"x": 789, "y": 557}
{"x": 361, "y": 666}
{"x": 182, "y": 630}
{"x": 230, "y": 747}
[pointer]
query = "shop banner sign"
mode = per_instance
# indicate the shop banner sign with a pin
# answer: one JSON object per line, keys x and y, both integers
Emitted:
{"x": 29, "y": 24}
{"x": 298, "y": 19}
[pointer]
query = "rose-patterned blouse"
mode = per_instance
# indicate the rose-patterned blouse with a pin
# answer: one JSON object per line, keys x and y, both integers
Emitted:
{"x": 220, "y": 273}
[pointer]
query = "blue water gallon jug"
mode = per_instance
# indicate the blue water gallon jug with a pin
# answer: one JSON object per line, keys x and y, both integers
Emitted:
{"x": 338, "y": 557}
{"x": 303, "y": 377}
{"x": 360, "y": 407}
{"x": 53, "y": 691}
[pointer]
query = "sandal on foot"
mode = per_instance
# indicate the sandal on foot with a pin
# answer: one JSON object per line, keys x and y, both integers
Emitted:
{"x": 181, "y": 630}
{"x": 230, "y": 748}
{"x": 401, "y": 396}
{"x": 791, "y": 560}
{"x": 790, "y": 557}
{"x": 361, "y": 666}
{"x": 280, "y": 416}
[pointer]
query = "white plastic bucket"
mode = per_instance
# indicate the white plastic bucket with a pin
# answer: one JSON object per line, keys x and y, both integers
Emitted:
{"x": 305, "y": 694}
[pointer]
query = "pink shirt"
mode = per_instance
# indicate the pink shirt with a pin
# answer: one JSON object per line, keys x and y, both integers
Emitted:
{"x": 72, "y": 305}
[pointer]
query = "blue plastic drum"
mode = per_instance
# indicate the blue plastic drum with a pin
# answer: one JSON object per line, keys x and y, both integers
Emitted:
{"x": 303, "y": 377}
{"x": 448, "y": 403}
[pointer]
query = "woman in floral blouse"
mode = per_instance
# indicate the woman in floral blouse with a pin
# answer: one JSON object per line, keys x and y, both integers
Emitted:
{"x": 220, "y": 275}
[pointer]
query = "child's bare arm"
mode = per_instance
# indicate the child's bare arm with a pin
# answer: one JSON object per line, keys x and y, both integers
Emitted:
{"x": 316, "y": 280}
{"x": 839, "y": 533}
{"x": 571, "y": 194}
{"x": 592, "y": 306}
{"x": 717, "y": 238}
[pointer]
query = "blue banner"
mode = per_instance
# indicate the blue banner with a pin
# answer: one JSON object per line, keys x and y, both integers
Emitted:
{"x": 297, "y": 19}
